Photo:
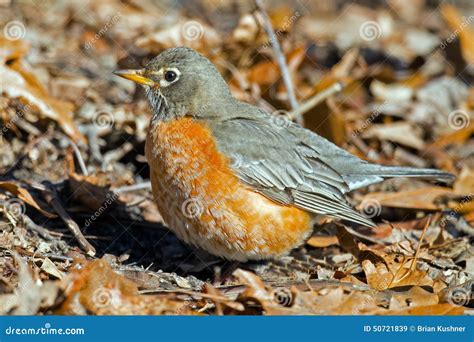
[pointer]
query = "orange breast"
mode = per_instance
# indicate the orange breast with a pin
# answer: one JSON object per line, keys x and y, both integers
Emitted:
{"x": 206, "y": 205}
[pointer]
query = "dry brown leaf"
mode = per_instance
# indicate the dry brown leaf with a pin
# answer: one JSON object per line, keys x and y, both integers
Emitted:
{"x": 416, "y": 296}
{"x": 192, "y": 33}
{"x": 50, "y": 268}
{"x": 458, "y": 25}
{"x": 25, "y": 196}
{"x": 264, "y": 73}
{"x": 18, "y": 81}
{"x": 436, "y": 309}
{"x": 382, "y": 276}
{"x": 96, "y": 288}
{"x": 423, "y": 198}
{"x": 464, "y": 183}
{"x": 403, "y": 133}
{"x": 457, "y": 137}
{"x": 391, "y": 92}
{"x": 322, "y": 241}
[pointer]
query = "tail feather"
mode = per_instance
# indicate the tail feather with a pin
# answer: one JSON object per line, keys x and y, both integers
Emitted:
{"x": 411, "y": 172}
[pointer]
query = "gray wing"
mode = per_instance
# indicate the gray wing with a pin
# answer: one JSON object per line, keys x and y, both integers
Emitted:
{"x": 278, "y": 161}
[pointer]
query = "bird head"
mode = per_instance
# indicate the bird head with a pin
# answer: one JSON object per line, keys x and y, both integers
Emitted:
{"x": 180, "y": 82}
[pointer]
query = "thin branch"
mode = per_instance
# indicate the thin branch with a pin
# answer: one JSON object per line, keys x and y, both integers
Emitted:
{"x": 280, "y": 57}
{"x": 53, "y": 200}
{"x": 315, "y": 100}
{"x": 139, "y": 186}
{"x": 79, "y": 158}
{"x": 425, "y": 228}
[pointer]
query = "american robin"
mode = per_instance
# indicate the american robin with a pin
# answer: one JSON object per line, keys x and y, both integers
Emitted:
{"x": 231, "y": 179}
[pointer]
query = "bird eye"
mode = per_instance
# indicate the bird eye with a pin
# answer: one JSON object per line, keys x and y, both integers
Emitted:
{"x": 170, "y": 76}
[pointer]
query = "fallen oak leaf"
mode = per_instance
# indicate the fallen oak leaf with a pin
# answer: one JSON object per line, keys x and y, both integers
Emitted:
{"x": 391, "y": 273}
{"x": 24, "y": 195}
{"x": 415, "y": 296}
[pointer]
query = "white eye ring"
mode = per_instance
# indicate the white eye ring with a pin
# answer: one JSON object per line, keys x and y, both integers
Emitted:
{"x": 164, "y": 74}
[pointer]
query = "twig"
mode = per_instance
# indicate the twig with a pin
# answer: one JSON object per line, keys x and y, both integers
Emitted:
{"x": 79, "y": 158}
{"x": 43, "y": 232}
{"x": 139, "y": 186}
{"x": 425, "y": 228}
{"x": 52, "y": 198}
{"x": 280, "y": 58}
{"x": 365, "y": 237}
{"x": 315, "y": 100}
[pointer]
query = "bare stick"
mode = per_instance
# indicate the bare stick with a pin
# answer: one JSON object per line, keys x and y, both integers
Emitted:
{"x": 77, "y": 153}
{"x": 139, "y": 186}
{"x": 80, "y": 160}
{"x": 280, "y": 58}
{"x": 315, "y": 100}
{"x": 425, "y": 228}
{"x": 52, "y": 198}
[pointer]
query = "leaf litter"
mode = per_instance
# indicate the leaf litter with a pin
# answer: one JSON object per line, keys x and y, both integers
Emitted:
{"x": 75, "y": 179}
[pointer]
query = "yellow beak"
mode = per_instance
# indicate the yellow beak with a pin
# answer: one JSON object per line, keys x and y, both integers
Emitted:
{"x": 136, "y": 76}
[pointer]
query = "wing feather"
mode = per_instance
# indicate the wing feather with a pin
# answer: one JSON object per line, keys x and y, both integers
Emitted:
{"x": 283, "y": 168}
